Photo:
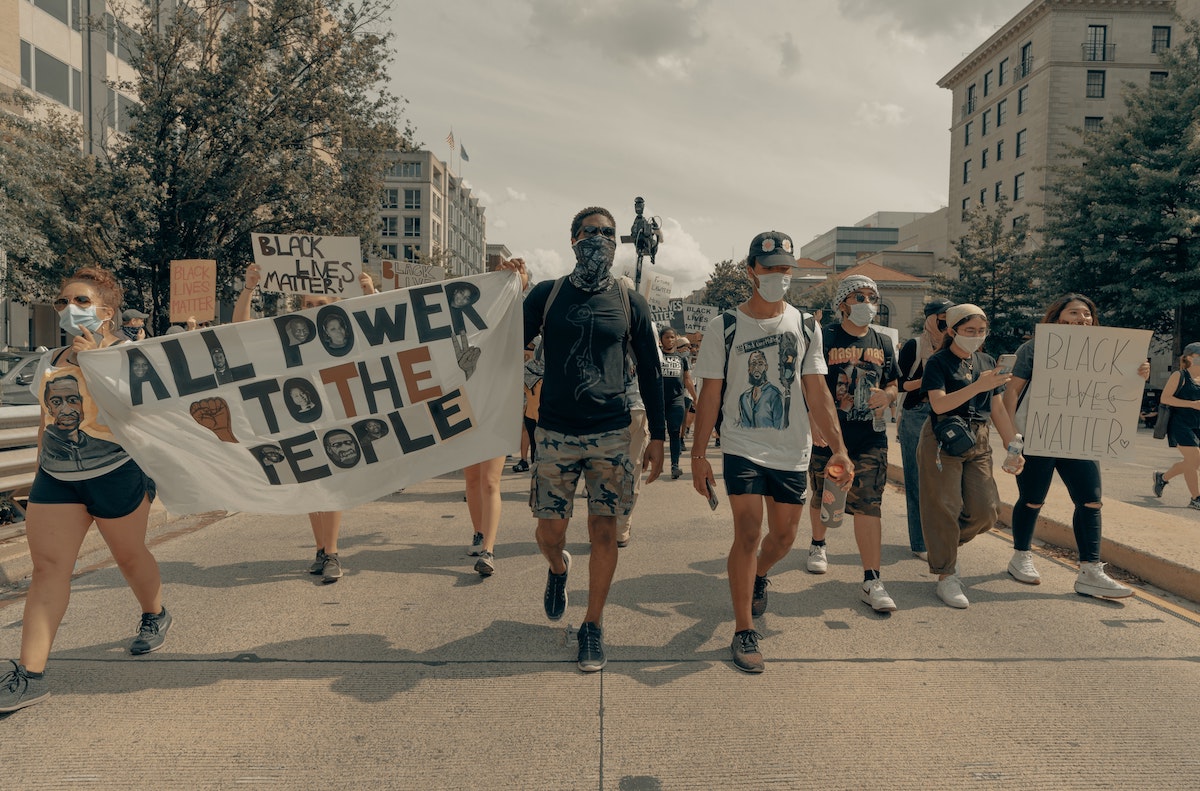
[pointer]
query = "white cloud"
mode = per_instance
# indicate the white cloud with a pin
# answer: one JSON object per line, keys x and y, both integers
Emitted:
{"x": 513, "y": 194}
{"x": 498, "y": 224}
{"x": 543, "y": 264}
{"x": 485, "y": 198}
{"x": 881, "y": 114}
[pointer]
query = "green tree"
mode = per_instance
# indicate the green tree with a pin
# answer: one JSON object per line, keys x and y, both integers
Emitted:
{"x": 727, "y": 286}
{"x": 994, "y": 272}
{"x": 1123, "y": 205}
{"x": 271, "y": 122}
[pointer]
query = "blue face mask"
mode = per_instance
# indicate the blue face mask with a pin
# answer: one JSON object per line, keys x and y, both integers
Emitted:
{"x": 73, "y": 319}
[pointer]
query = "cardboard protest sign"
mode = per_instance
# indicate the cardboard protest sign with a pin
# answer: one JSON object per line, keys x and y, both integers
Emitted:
{"x": 675, "y": 314}
{"x": 321, "y": 409}
{"x": 697, "y": 317}
{"x": 403, "y": 274}
{"x": 193, "y": 290}
{"x": 1083, "y": 400}
{"x": 306, "y": 264}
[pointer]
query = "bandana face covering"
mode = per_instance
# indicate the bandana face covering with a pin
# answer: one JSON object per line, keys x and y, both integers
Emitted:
{"x": 593, "y": 263}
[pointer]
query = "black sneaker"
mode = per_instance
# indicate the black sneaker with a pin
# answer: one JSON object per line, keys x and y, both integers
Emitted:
{"x": 151, "y": 632}
{"x": 1194, "y": 503}
{"x": 758, "y": 605}
{"x": 486, "y": 565}
{"x": 746, "y": 656}
{"x": 555, "y": 599}
{"x": 20, "y": 688}
{"x": 318, "y": 563}
{"x": 675, "y": 473}
{"x": 331, "y": 571}
{"x": 591, "y": 649}
{"x": 521, "y": 466}
{"x": 1160, "y": 483}
{"x": 476, "y": 545}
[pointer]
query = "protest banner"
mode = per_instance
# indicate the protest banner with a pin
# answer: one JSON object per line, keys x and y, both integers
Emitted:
{"x": 675, "y": 314}
{"x": 193, "y": 290}
{"x": 301, "y": 263}
{"x": 696, "y": 317}
{"x": 1083, "y": 400}
{"x": 405, "y": 274}
{"x": 322, "y": 409}
{"x": 892, "y": 333}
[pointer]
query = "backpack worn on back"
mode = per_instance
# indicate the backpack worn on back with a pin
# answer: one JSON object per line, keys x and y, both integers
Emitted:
{"x": 624, "y": 302}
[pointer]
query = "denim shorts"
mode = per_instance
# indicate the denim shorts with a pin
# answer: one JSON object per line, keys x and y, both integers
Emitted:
{"x": 602, "y": 459}
{"x": 870, "y": 477}
{"x": 111, "y": 496}
{"x": 743, "y": 476}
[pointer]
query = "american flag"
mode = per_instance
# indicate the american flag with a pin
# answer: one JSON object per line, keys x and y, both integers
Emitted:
{"x": 450, "y": 139}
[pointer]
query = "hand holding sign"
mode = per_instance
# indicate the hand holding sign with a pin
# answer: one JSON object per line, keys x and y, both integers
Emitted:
{"x": 213, "y": 414}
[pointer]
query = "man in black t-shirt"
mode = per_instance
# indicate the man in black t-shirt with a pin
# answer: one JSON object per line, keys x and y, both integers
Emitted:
{"x": 587, "y": 321}
{"x": 863, "y": 378}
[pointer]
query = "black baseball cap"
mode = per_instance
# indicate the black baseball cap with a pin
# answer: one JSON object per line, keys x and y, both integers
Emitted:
{"x": 772, "y": 248}
{"x": 937, "y": 306}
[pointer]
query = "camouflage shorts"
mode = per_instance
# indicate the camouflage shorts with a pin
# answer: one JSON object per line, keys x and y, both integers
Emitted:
{"x": 870, "y": 477}
{"x": 603, "y": 460}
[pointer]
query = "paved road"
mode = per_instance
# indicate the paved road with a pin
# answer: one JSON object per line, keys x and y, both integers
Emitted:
{"x": 412, "y": 673}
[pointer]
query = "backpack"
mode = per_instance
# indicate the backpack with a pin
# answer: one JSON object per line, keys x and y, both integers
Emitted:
{"x": 729, "y": 321}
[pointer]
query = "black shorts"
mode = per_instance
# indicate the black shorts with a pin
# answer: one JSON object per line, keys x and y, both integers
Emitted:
{"x": 1180, "y": 433}
{"x": 111, "y": 496}
{"x": 745, "y": 477}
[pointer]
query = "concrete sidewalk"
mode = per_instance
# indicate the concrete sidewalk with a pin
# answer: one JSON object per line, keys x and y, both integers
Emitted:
{"x": 414, "y": 673}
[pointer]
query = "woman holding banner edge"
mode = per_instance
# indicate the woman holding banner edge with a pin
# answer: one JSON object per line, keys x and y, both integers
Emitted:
{"x": 1080, "y": 476}
{"x": 326, "y": 525}
{"x": 83, "y": 476}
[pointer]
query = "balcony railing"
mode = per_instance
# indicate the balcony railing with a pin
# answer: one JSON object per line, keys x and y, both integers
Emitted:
{"x": 1099, "y": 52}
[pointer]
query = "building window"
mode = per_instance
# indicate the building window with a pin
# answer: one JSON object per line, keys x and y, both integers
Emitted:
{"x": 970, "y": 98}
{"x": 49, "y": 76}
{"x": 1019, "y": 187}
{"x": 1093, "y": 123}
{"x": 1020, "y": 222}
{"x": 884, "y": 315}
{"x": 412, "y": 199}
{"x": 59, "y": 9}
{"x": 1095, "y": 85}
{"x": 26, "y": 64}
{"x": 1022, "y": 98}
{"x": 1026, "y": 60}
{"x": 998, "y": 194}
{"x": 967, "y": 172}
{"x": 412, "y": 252}
{"x": 1096, "y": 45}
{"x": 1022, "y": 137}
{"x": 412, "y": 226}
{"x": 999, "y": 150}
{"x": 966, "y": 207}
{"x": 983, "y": 197}
{"x": 122, "y": 41}
{"x": 1002, "y": 72}
{"x": 390, "y": 199}
{"x": 407, "y": 170}
{"x": 967, "y": 133}
{"x": 1001, "y": 112}
{"x": 1158, "y": 77}
{"x": 389, "y": 226}
{"x": 987, "y": 118}
{"x": 987, "y": 82}
{"x": 983, "y": 155}
{"x": 1160, "y": 38}
{"x": 390, "y": 251}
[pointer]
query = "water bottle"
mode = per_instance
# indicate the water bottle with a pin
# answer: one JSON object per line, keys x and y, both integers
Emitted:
{"x": 1015, "y": 448}
{"x": 879, "y": 423}
{"x": 833, "y": 498}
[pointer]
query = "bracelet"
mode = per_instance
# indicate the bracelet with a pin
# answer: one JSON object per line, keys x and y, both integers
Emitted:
{"x": 699, "y": 458}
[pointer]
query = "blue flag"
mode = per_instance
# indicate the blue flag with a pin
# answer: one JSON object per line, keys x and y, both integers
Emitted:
{"x": 462, "y": 152}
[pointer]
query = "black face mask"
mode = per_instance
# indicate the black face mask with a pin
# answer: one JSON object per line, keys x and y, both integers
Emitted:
{"x": 941, "y": 325}
{"x": 131, "y": 332}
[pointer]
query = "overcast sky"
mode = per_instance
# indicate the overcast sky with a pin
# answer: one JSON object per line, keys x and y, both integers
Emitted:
{"x": 729, "y": 117}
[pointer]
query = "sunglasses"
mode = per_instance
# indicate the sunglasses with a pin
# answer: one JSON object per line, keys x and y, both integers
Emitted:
{"x": 863, "y": 298}
{"x": 62, "y": 302}
{"x": 593, "y": 230}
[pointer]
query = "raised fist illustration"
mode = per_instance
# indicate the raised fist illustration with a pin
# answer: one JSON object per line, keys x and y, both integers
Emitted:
{"x": 213, "y": 414}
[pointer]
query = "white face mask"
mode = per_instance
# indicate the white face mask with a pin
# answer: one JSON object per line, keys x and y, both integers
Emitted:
{"x": 969, "y": 345}
{"x": 773, "y": 287}
{"x": 862, "y": 313}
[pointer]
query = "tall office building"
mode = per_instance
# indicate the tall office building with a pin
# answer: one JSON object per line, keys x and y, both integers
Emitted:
{"x": 429, "y": 214}
{"x": 1057, "y": 66}
{"x": 841, "y": 247}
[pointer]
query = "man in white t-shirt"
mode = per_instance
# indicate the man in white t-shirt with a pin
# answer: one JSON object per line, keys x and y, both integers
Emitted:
{"x": 772, "y": 381}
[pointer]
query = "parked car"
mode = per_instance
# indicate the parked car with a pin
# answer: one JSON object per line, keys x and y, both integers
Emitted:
{"x": 17, "y": 368}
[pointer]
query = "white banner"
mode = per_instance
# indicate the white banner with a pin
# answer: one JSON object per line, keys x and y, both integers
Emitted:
{"x": 402, "y": 274}
{"x": 322, "y": 409}
{"x": 1085, "y": 393}
{"x": 697, "y": 317}
{"x": 302, "y": 263}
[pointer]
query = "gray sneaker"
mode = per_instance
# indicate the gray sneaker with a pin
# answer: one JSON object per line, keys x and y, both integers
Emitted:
{"x": 331, "y": 570}
{"x": 758, "y": 604}
{"x": 744, "y": 648}
{"x": 476, "y": 545}
{"x": 20, "y": 688}
{"x": 318, "y": 563}
{"x": 151, "y": 632}
{"x": 486, "y": 564}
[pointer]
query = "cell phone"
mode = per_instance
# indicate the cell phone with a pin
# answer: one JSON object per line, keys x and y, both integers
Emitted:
{"x": 1006, "y": 363}
{"x": 713, "y": 502}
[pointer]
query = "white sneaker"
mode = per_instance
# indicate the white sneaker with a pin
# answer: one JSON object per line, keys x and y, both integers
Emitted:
{"x": 1092, "y": 581}
{"x": 1021, "y": 568}
{"x": 872, "y": 593}
{"x": 922, "y": 555}
{"x": 950, "y": 591}
{"x": 818, "y": 561}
